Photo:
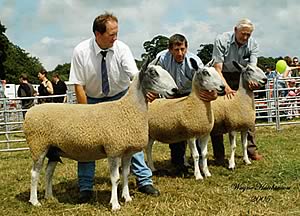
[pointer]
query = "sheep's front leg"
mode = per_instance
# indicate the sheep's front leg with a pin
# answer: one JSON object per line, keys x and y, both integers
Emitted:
{"x": 232, "y": 140}
{"x": 149, "y": 154}
{"x": 35, "y": 174}
{"x": 126, "y": 160}
{"x": 244, "y": 145}
{"x": 203, "y": 145}
{"x": 114, "y": 164}
{"x": 195, "y": 155}
{"x": 49, "y": 175}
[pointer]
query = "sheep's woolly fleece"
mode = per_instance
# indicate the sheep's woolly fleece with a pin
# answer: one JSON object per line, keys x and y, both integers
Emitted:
{"x": 87, "y": 126}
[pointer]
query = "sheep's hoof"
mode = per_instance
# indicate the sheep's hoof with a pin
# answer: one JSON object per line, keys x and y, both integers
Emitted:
{"x": 116, "y": 207}
{"x": 127, "y": 198}
{"x": 231, "y": 168}
{"x": 207, "y": 174}
{"x": 35, "y": 203}
{"x": 199, "y": 177}
{"x": 247, "y": 162}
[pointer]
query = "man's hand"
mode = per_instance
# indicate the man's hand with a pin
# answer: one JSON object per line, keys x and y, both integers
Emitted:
{"x": 3, "y": 82}
{"x": 208, "y": 95}
{"x": 253, "y": 85}
{"x": 229, "y": 92}
{"x": 150, "y": 96}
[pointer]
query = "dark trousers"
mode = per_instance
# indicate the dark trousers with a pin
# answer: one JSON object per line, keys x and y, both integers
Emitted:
{"x": 178, "y": 151}
{"x": 217, "y": 140}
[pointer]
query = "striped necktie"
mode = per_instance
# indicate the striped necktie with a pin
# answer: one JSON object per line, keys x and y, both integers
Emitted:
{"x": 105, "y": 83}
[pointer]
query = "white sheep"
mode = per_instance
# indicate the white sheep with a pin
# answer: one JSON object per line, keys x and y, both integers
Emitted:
{"x": 237, "y": 114}
{"x": 186, "y": 118}
{"x": 83, "y": 132}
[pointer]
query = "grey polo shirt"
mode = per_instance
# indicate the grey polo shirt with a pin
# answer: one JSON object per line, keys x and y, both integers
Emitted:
{"x": 226, "y": 50}
{"x": 182, "y": 73}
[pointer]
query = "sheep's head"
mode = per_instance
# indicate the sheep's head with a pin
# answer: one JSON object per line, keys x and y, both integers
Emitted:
{"x": 154, "y": 78}
{"x": 207, "y": 78}
{"x": 251, "y": 73}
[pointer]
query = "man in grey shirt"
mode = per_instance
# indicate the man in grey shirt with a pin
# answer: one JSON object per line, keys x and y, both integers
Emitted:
{"x": 242, "y": 48}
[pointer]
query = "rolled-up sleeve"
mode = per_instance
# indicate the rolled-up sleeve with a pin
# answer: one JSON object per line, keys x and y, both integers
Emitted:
{"x": 218, "y": 50}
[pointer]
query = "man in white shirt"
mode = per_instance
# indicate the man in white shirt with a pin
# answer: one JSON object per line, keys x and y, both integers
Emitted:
{"x": 101, "y": 69}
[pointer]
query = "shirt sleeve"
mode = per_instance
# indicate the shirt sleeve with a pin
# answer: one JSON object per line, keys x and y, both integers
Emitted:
{"x": 254, "y": 53}
{"x": 218, "y": 50}
{"x": 77, "y": 71}
{"x": 128, "y": 63}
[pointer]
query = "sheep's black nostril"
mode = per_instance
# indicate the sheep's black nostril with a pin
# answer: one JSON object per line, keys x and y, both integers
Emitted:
{"x": 175, "y": 90}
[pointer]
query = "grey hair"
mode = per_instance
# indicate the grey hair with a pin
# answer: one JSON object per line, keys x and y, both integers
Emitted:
{"x": 245, "y": 23}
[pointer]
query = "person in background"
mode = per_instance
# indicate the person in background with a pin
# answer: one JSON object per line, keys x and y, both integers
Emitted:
{"x": 296, "y": 71}
{"x": 176, "y": 60}
{"x": 25, "y": 90}
{"x": 45, "y": 88}
{"x": 242, "y": 48}
{"x": 59, "y": 88}
{"x": 101, "y": 69}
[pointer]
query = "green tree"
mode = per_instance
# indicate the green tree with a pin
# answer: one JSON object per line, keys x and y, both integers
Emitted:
{"x": 62, "y": 70}
{"x": 156, "y": 45}
{"x": 205, "y": 52}
{"x": 18, "y": 61}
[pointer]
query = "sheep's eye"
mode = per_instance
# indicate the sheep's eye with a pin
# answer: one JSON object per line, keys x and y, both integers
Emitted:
{"x": 205, "y": 73}
{"x": 153, "y": 72}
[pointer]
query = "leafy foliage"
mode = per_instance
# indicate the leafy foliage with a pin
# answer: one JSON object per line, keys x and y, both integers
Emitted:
{"x": 63, "y": 71}
{"x": 18, "y": 61}
{"x": 156, "y": 45}
{"x": 205, "y": 52}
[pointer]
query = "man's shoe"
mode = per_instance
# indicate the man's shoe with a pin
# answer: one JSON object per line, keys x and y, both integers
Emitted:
{"x": 256, "y": 156}
{"x": 149, "y": 190}
{"x": 85, "y": 196}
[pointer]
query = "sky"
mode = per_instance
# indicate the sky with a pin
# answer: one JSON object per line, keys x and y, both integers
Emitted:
{"x": 50, "y": 29}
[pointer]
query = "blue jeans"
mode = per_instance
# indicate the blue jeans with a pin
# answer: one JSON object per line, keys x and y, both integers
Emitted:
{"x": 86, "y": 170}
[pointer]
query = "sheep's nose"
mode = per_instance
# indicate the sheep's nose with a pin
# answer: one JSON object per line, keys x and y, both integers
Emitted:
{"x": 265, "y": 80}
{"x": 175, "y": 90}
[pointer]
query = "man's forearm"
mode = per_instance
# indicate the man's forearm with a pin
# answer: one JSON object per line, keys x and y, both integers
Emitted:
{"x": 80, "y": 94}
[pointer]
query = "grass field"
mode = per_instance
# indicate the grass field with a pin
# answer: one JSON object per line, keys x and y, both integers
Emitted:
{"x": 267, "y": 187}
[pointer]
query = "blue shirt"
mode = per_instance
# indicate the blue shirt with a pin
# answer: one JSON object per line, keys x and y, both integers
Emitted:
{"x": 226, "y": 50}
{"x": 182, "y": 73}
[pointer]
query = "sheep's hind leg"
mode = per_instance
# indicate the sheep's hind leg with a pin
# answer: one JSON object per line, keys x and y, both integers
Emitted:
{"x": 203, "y": 145}
{"x": 195, "y": 154}
{"x": 126, "y": 160}
{"x": 149, "y": 154}
{"x": 114, "y": 164}
{"x": 35, "y": 174}
{"x": 49, "y": 175}
{"x": 244, "y": 145}
{"x": 232, "y": 140}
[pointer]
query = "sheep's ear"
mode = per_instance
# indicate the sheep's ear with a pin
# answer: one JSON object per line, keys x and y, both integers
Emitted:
{"x": 210, "y": 63}
{"x": 157, "y": 61}
{"x": 238, "y": 66}
{"x": 194, "y": 64}
{"x": 145, "y": 64}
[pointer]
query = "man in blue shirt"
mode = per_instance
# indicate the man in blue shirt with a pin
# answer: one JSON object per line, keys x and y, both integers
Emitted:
{"x": 176, "y": 60}
{"x": 241, "y": 47}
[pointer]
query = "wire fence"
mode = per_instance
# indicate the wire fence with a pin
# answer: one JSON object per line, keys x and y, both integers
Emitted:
{"x": 275, "y": 106}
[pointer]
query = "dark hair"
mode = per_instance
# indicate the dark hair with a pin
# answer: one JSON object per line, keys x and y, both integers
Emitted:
{"x": 43, "y": 71}
{"x": 24, "y": 76}
{"x": 177, "y": 39}
{"x": 55, "y": 75}
{"x": 99, "y": 24}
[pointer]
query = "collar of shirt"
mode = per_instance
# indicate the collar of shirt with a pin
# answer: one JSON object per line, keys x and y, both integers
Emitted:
{"x": 98, "y": 49}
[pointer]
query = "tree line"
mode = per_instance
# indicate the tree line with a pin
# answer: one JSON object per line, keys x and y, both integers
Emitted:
{"x": 18, "y": 61}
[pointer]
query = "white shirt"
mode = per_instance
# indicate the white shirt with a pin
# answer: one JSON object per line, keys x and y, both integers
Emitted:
{"x": 86, "y": 67}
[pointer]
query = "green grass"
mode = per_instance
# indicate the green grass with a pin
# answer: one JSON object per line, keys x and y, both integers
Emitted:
{"x": 267, "y": 187}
